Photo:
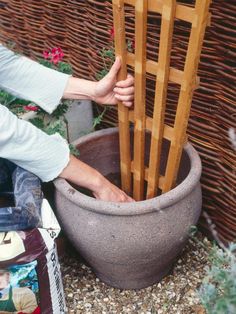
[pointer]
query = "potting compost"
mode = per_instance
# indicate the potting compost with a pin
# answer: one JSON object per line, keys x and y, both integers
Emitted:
{"x": 30, "y": 277}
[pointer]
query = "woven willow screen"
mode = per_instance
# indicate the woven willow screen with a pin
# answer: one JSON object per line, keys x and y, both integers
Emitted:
{"x": 83, "y": 28}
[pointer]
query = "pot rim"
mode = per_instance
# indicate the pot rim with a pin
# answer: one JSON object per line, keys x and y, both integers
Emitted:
{"x": 157, "y": 203}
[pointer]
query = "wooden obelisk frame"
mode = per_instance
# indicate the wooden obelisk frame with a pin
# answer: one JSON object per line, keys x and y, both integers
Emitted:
{"x": 170, "y": 10}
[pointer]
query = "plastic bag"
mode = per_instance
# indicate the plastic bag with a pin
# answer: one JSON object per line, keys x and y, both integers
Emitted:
{"x": 22, "y": 190}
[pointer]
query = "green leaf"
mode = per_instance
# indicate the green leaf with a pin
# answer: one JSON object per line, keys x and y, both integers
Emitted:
{"x": 38, "y": 122}
{"x": 57, "y": 126}
{"x": 101, "y": 74}
{"x": 65, "y": 67}
{"x": 73, "y": 150}
{"x": 6, "y": 99}
{"x": 61, "y": 109}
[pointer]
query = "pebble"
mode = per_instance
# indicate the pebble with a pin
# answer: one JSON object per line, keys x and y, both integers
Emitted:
{"x": 175, "y": 294}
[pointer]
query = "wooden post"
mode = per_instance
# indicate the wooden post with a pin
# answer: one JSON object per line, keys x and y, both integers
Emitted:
{"x": 123, "y": 112}
{"x": 163, "y": 72}
{"x": 140, "y": 97}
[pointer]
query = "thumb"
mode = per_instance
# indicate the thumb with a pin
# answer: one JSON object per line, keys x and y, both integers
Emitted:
{"x": 115, "y": 67}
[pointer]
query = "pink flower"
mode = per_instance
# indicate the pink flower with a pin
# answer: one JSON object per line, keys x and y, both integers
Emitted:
{"x": 54, "y": 51}
{"x": 55, "y": 55}
{"x": 31, "y": 108}
{"x": 59, "y": 51}
{"x": 61, "y": 55}
{"x": 55, "y": 59}
{"x": 46, "y": 54}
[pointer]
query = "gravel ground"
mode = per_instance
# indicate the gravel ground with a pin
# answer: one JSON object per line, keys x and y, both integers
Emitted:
{"x": 175, "y": 294}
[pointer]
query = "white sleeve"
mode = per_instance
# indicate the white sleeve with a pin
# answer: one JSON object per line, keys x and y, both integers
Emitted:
{"x": 29, "y": 80}
{"x": 30, "y": 148}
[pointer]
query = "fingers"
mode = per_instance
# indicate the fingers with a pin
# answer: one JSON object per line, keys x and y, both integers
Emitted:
{"x": 119, "y": 197}
{"x": 125, "y": 198}
{"x": 115, "y": 67}
{"x": 122, "y": 197}
{"x": 129, "y": 81}
{"x": 111, "y": 193}
{"x": 124, "y": 91}
{"x": 126, "y": 99}
{"x": 128, "y": 103}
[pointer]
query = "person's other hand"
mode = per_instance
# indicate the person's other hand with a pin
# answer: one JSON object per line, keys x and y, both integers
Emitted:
{"x": 108, "y": 91}
{"x": 110, "y": 193}
{"x": 85, "y": 176}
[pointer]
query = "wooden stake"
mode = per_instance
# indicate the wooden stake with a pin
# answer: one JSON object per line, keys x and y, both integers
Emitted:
{"x": 123, "y": 112}
{"x": 140, "y": 97}
{"x": 163, "y": 72}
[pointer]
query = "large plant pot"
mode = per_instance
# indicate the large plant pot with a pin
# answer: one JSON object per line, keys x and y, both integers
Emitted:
{"x": 129, "y": 245}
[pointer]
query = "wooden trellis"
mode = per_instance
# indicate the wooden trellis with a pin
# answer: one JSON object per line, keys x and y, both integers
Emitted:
{"x": 170, "y": 10}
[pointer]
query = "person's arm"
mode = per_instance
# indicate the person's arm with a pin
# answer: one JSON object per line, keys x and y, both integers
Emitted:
{"x": 83, "y": 175}
{"x": 30, "y": 148}
{"x": 48, "y": 156}
{"x": 106, "y": 91}
{"x": 29, "y": 80}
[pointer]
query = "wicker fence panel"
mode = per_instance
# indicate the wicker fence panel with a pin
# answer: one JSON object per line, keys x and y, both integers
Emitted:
{"x": 82, "y": 29}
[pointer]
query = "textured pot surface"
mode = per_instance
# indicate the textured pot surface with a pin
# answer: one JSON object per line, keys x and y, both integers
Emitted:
{"x": 129, "y": 245}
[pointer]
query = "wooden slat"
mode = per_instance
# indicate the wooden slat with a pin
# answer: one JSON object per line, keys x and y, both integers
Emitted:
{"x": 176, "y": 76}
{"x": 167, "y": 27}
{"x": 161, "y": 178}
{"x": 183, "y": 12}
{"x": 168, "y": 130}
{"x": 123, "y": 112}
{"x": 186, "y": 92}
{"x": 140, "y": 97}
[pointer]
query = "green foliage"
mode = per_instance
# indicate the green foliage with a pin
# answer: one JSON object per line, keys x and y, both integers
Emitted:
{"x": 218, "y": 291}
{"x": 61, "y": 66}
{"x": 52, "y": 127}
{"x": 98, "y": 119}
{"x": 6, "y": 99}
{"x": 101, "y": 74}
{"x": 108, "y": 58}
{"x": 38, "y": 122}
{"x": 60, "y": 111}
{"x": 74, "y": 151}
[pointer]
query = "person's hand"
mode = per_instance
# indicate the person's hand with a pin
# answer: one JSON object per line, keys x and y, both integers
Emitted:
{"x": 106, "y": 191}
{"x": 85, "y": 176}
{"x": 108, "y": 91}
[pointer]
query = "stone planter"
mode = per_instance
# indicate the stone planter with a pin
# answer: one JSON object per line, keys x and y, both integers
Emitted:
{"x": 129, "y": 245}
{"x": 80, "y": 119}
